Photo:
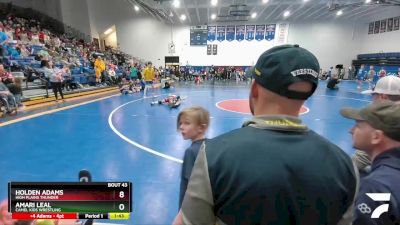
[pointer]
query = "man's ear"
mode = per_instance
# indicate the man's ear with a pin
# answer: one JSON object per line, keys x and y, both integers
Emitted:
{"x": 254, "y": 90}
{"x": 376, "y": 137}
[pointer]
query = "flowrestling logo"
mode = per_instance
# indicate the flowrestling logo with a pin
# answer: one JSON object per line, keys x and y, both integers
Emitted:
{"x": 377, "y": 197}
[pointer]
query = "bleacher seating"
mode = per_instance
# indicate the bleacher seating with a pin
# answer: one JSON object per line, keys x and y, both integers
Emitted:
{"x": 386, "y": 55}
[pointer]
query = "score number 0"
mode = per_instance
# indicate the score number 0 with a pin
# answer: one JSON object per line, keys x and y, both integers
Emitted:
{"x": 121, "y": 195}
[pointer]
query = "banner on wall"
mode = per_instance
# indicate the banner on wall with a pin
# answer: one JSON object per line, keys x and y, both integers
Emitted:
{"x": 208, "y": 49}
{"x": 396, "y": 23}
{"x": 371, "y": 28}
{"x": 212, "y": 32}
{"x": 214, "y": 49}
{"x": 221, "y": 33}
{"x": 270, "y": 32}
{"x": 240, "y": 31}
{"x": 383, "y": 26}
{"x": 283, "y": 32}
{"x": 389, "y": 25}
{"x": 230, "y": 32}
{"x": 250, "y": 29}
{"x": 260, "y": 32}
{"x": 376, "y": 28}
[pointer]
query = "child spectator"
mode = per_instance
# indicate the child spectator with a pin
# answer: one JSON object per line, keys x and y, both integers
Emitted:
{"x": 192, "y": 123}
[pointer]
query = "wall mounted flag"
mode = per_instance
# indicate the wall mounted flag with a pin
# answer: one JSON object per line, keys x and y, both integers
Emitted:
{"x": 270, "y": 32}
{"x": 383, "y": 26}
{"x": 212, "y": 32}
{"x": 283, "y": 32}
{"x": 230, "y": 32}
{"x": 260, "y": 32}
{"x": 371, "y": 28}
{"x": 396, "y": 23}
{"x": 221, "y": 33}
{"x": 240, "y": 31}
{"x": 376, "y": 28}
{"x": 389, "y": 25}
{"x": 250, "y": 30}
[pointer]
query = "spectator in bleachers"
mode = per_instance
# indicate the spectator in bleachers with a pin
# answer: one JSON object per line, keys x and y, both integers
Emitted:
{"x": 99, "y": 67}
{"x": 5, "y": 76}
{"x": 23, "y": 51}
{"x": 148, "y": 73}
{"x": 5, "y": 93}
{"x": 24, "y": 36}
{"x": 55, "y": 78}
{"x": 134, "y": 72}
{"x": 67, "y": 77}
{"x": 16, "y": 89}
{"x": 3, "y": 40}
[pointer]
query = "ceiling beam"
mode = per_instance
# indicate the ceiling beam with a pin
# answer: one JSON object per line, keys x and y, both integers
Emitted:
{"x": 296, "y": 10}
{"x": 271, "y": 13}
{"x": 316, "y": 11}
{"x": 263, "y": 10}
{"x": 188, "y": 17}
{"x": 323, "y": 13}
{"x": 208, "y": 15}
{"x": 373, "y": 11}
{"x": 304, "y": 12}
{"x": 205, "y": 4}
{"x": 198, "y": 14}
{"x": 359, "y": 12}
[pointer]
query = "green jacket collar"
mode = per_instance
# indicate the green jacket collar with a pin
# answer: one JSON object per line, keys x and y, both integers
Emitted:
{"x": 277, "y": 122}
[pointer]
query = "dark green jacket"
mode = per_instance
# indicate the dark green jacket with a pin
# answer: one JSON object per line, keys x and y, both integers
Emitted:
{"x": 272, "y": 171}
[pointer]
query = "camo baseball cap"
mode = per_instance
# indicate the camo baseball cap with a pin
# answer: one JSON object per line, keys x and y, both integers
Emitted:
{"x": 384, "y": 116}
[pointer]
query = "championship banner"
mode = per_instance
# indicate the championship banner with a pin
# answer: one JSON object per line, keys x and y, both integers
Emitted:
{"x": 230, "y": 33}
{"x": 389, "y": 25}
{"x": 260, "y": 32}
{"x": 376, "y": 28}
{"x": 270, "y": 32}
{"x": 371, "y": 28}
{"x": 221, "y": 33}
{"x": 240, "y": 31}
{"x": 214, "y": 49}
{"x": 383, "y": 26}
{"x": 396, "y": 23}
{"x": 250, "y": 29}
{"x": 212, "y": 32}
{"x": 283, "y": 32}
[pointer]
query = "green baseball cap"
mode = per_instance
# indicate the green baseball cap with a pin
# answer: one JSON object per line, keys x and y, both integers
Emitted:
{"x": 279, "y": 67}
{"x": 384, "y": 116}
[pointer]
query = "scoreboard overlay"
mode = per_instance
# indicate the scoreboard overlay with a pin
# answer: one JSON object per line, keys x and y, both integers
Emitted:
{"x": 70, "y": 200}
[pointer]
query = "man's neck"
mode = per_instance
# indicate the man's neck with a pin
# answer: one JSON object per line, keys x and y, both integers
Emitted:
{"x": 276, "y": 110}
{"x": 200, "y": 137}
{"x": 383, "y": 148}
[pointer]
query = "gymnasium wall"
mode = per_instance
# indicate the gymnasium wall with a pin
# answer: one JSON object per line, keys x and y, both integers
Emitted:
{"x": 382, "y": 42}
{"x": 49, "y": 7}
{"x": 142, "y": 36}
{"x": 332, "y": 42}
{"x": 75, "y": 14}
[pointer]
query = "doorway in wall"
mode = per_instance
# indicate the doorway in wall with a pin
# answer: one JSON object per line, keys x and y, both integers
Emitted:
{"x": 109, "y": 38}
{"x": 172, "y": 62}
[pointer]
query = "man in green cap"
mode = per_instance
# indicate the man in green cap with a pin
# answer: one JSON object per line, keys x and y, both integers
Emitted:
{"x": 273, "y": 170}
{"x": 377, "y": 132}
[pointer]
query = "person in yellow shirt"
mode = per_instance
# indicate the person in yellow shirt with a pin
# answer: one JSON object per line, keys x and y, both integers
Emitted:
{"x": 99, "y": 67}
{"x": 148, "y": 73}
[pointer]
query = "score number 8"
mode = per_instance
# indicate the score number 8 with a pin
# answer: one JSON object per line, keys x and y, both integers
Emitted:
{"x": 121, "y": 206}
